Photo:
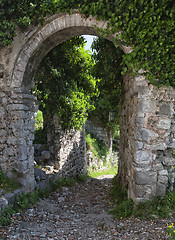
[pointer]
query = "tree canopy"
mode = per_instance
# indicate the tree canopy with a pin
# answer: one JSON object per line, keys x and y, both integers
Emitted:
{"x": 107, "y": 69}
{"x": 64, "y": 84}
{"x": 147, "y": 26}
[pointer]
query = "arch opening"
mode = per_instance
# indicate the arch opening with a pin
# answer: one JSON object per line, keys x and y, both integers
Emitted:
{"x": 44, "y": 40}
{"x": 63, "y": 68}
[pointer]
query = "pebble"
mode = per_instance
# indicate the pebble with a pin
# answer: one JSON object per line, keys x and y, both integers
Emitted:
{"x": 80, "y": 212}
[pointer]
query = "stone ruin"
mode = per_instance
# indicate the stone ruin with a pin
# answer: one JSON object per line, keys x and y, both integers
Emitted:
{"x": 147, "y": 123}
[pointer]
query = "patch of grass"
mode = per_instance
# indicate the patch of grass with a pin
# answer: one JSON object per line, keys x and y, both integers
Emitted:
{"x": 62, "y": 182}
{"x": 97, "y": 147}
{"x": 82, "y": 178}
{"x": 109, "y": 171}
{"x": 124, "y": 209}
{"x": 5, "y": 215}
{"x": 123, "y": 206}
{"x": 6, "y": 183}
{"x": 159, "y": 207}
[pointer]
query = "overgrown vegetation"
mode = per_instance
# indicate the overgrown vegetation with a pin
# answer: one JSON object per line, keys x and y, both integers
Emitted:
{"x": 147, "y": 26}
{"x": 97, "y": 147}
{"x": 109, "y": 171}
{"x": 7, "y": 184}
{"x": 108, "y": 58}
{"x": 39, "y": 120}
{"x": 64, "y": 84}
{"x": 40, "y": 133}
{"x": 158, "y": 207}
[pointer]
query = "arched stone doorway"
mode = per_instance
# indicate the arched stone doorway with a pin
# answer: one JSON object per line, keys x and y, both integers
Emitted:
{"x": 147, "y": 123}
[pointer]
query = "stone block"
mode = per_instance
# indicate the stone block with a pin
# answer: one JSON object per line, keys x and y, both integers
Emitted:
{"x": 140, "y": 114}
{"x": 146, "y": 135}
{"x": 157, "y": 166}
{"x": 163, "y": 179}
{"x": 156, "y": 146}
{"x": 140, "y": 122}
{"x": 146, "y": 106}
{"x": 164, "y": 123}
{"x": 143, "y": 157}
{"x": 16, "y": 107}
{"x": 145, "y": 191}
{"x": 3, "y": 203}
{"x": 12, "y": 140}
{"x": 10, "y": 198}
{"x": 145, "y": 178}
{"x": 169, "y": 161}
{"x": 139, "y": 145}
{"x": 140, "y": 78}
{"x": 163, "y": 172}
{"x": 3, "y": 133}
{"x": 4, "y": 101}
{"x": 165, "y": 109}
{"x": 161, "y": 189}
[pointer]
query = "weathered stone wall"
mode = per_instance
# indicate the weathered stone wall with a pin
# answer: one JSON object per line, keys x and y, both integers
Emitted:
{"x": 68, "y": 149}
{"x": 99, "y": 132}
{"x": 16, "y": 135}
{"x": 146, "y": 138}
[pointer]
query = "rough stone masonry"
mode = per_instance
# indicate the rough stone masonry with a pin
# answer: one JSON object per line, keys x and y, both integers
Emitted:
{"x": 147, "y": 113}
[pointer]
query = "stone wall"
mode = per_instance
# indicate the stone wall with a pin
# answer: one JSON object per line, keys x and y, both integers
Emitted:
{"x": 99, "y": 132}
{"x": 67, "y": 148}
{"x": 16, "y": 136}
{"x": 146, "y": 139}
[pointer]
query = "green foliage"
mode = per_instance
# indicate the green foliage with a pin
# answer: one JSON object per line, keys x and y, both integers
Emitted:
{"x": 123, "y": 206}
{"x": 6, "y": 183}
{"x": 22, "y": 202}
{"x": 5, "y": 216}
{"x": 107, "y": 69}
{"x": 109, "y": 171}
{"x": 118, "y": 194}
{"x": 171, "y": 231}
{"x": 64, "y": 84}
{"x": 40, "y": 136}
{"x": 147, "y": 26}
{"x": 97, "y": 147}
{"x": 39, "y": 120}
{"x": 82, "y": 178}
{"x": 125, "y": 209}
{"x": 40, "y": 133}
{"x": 62, "y": 182}
{"x": 159, "y": 206}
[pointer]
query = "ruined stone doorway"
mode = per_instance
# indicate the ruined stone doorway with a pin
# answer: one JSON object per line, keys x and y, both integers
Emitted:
{"x": 147, "y": 122}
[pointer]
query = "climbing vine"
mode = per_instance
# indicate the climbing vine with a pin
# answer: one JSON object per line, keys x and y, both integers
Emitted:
{"x": 147, "y": 26}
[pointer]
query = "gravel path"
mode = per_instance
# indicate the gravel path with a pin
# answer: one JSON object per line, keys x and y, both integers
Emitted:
{"x": 80, "y": 213}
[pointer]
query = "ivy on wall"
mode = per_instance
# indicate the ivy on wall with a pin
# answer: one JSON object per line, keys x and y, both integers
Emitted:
{"x": 147, "y": 26}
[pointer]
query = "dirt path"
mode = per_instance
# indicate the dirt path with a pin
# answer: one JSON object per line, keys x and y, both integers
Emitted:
{"x": 80, "y": 213}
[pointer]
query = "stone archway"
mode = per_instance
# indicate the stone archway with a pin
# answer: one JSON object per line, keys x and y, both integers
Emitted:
{"x": 147, "y": 123}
